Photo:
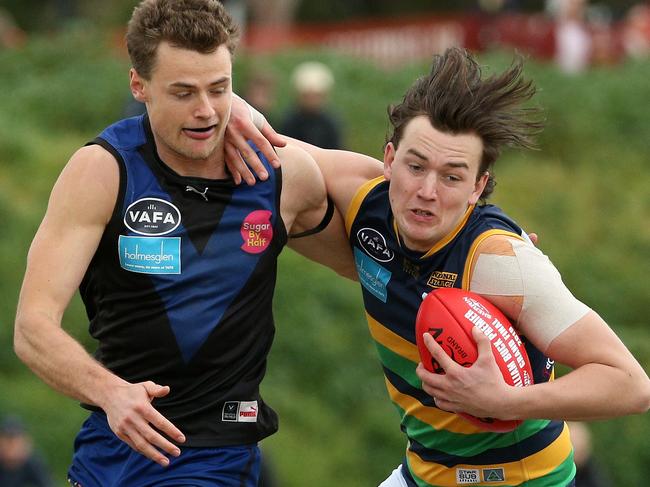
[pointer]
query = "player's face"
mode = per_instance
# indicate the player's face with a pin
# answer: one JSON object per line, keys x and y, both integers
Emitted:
{"x": 433, "y": 179}
{"x": 188, "y": 100}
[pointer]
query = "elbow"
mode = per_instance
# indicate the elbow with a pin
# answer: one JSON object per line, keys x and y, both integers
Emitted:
{"x": 638, "y": 399}
{"x": 643, "y": 403}
{"x": 21, "y": 343}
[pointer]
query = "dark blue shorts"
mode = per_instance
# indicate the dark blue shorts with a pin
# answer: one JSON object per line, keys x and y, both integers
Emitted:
{"x": 101, "y": 459}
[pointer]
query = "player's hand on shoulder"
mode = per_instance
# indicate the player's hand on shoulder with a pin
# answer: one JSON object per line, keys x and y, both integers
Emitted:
{"x": 135, "y": 421}
{"x": 242, "y": 161}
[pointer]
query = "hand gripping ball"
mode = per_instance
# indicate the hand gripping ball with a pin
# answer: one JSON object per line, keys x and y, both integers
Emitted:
{"x": 449, "y": 314}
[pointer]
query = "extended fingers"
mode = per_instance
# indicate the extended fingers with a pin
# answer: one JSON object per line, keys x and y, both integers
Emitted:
{"x": 271, "y": 139}
{"x": 482, "y": 343}
{"x": 246, "y": 152}
{"x": 236, "y": 165}
{"x": 139, "y": 435}
{"x": 438, "y": 354}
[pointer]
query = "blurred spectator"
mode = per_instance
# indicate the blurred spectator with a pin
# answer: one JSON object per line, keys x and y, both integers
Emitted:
{"x": 588, "y": 473}
{"x": 10, "y": 34}
{"x": 572, "y": 39}
{"x": 309, "y": 120}
{"x": 636, "y": 31}
{"x": 259, "y": 92}
{"x": 20, "y": 466}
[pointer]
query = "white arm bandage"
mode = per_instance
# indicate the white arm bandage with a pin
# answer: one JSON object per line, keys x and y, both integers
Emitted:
{"x": 256, "y": 117}
{"x": 548, "y": 306}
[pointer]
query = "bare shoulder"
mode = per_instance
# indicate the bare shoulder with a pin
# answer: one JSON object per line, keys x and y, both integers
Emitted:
{"x": 87, "y": 186}
{"x": 302, "y": 182}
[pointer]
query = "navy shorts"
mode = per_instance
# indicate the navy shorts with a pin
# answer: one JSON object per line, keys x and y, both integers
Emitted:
{"x": 101, "y": 459}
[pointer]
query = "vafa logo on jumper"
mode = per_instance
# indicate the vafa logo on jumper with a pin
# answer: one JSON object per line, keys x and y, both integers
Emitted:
{"x": 374, "y": 244}
{"x": 152, "y": 216}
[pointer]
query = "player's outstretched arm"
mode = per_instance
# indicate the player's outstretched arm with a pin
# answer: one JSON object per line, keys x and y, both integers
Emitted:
{"x": 79, "y": 208}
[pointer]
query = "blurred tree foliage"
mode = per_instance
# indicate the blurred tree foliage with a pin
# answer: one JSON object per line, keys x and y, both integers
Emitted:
{"x": 586, "y": 192}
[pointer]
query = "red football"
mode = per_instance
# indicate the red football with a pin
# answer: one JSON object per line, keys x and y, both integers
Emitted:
{"x": 449, "y": 314}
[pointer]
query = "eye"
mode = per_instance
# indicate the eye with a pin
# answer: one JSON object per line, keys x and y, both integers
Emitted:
{"x": 453, "y": 178}
{"x": 218, "y": 91}
{"x": 415, "y": 167}
{"x": 182, "y": 94}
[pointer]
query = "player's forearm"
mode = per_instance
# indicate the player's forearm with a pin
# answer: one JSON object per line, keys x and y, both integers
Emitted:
{"x": 62, "y": 362}
{"x": 593, "y": 391}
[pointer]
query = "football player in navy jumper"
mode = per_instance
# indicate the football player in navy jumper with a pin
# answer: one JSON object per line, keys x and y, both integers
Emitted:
{"x": 175, "y": 264}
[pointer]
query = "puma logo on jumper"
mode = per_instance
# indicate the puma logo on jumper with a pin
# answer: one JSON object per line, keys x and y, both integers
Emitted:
{"x": 194, "y": 190}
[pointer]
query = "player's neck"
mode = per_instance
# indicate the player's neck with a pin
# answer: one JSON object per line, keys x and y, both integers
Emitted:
{"x": 211, "y": 167}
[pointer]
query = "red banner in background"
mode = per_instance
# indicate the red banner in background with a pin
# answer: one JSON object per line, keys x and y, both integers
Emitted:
{"x": 394, "y": 42}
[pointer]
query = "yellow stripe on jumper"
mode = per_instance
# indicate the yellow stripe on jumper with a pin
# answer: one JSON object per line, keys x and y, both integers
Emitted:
{"x": 392, "y": 340}
{"x": 358, "y": 198}
{"x": 530, "y": 468}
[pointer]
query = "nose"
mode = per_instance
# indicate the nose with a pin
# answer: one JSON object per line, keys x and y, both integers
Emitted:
{"x": 428, "y": 189}
{"x": 204, "y": 108}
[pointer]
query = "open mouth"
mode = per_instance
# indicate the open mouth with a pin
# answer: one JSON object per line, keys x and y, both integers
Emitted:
{"x": 201, "y": 130}
{"x": 422, "y": 212}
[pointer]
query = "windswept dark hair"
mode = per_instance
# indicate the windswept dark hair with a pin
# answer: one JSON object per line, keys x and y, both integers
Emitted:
{"x": 456, "y": 99}
{"x": 198, "y": 25}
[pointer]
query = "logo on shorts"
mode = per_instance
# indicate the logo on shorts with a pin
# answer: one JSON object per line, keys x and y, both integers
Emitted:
{"x": 494, "y": 475}
{"x": 239, "y": 411}
{"x": 374, "y": 244}
{"x": 152, "y": 216}
{"x": 257, "y": 231}
{"x": 467, "y": 476}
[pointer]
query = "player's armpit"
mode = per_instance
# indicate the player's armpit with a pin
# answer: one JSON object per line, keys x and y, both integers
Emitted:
{"x": 520, "y": 280}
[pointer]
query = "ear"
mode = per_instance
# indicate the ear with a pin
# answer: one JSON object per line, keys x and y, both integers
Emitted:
{"x": 389, "y": 157}
{"x": 479, "y": 186}
{"x": 137, "y": 85}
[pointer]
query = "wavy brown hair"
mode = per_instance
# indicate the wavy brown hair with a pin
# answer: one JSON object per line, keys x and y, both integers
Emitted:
{"x": 198, "y": 25}
{"x": 457, "y": 99}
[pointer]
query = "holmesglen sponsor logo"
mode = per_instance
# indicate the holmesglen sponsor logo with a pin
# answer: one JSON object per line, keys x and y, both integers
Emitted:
{"x": 374, "y": 244}
{"x": 372, "y": 276}
{"x": 152, "y": 216}
{"x": 150, "y": 255}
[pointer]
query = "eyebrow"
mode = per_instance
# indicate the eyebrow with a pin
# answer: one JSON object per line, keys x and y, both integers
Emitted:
{"x": 180, "y": 84}
{"x": 449, "y": 164}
